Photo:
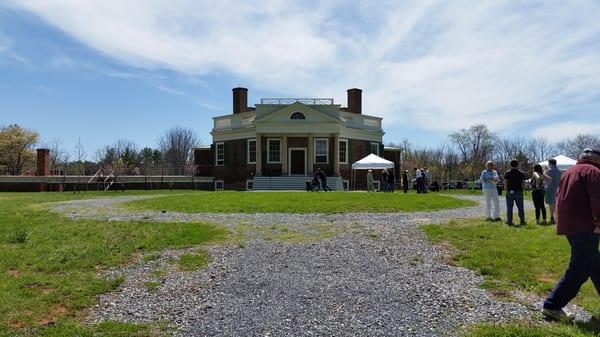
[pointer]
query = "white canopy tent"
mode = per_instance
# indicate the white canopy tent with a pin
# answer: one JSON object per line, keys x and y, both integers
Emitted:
{"x": 562, "y": 162}
{"x": 370, "y": 162}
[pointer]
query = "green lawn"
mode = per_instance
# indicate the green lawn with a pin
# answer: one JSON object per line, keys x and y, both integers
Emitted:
{"x": 51, "y": 264}
{"x": 299, "y": 202}
{"x": 530, "y": 258}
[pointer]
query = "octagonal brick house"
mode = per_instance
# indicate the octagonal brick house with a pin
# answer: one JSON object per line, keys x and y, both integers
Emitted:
{"x": 279, "y": 143}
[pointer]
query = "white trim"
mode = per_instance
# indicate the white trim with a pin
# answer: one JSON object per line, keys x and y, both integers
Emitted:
{"x": 344, "y": 140}
{"x": 371, "y": 144}
{"x": 269, "y": 151}
{"x": 315, "y": 150}
{"x": 290, "y": 160}
{"x": 248, "y": 151}
{"x": 248, "y": 181}
{"x": 217, "y": 154}
{"x": 222, "y": 185}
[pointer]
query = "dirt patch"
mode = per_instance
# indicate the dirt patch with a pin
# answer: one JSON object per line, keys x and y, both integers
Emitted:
{"x": 44, "y": 288}
{"x": 13, "y": 272}
{"x": 16, "y": 325}
{"x": 56, "y": 312}
{"x": 548, "y": 278}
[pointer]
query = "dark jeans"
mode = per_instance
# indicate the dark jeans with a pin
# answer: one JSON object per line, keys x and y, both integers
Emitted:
{"x": 420, "y": 185}
{"x": 538, "y": 202}
{"x": 390, "y": 186}
{"x": 324, "y": 186}
{"x": 584, "y": 264}
{"x": 511, "y": 199}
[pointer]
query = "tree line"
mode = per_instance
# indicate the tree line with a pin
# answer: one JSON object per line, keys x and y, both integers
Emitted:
{"x": 463, "y": 156}
{"x": 173, "y": 154}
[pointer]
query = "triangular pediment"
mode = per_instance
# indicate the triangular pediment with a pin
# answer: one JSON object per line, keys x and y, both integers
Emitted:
{"x": 284, "y": 115}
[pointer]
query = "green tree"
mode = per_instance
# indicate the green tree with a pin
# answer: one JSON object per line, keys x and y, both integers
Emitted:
{"x": 17, "y": 148}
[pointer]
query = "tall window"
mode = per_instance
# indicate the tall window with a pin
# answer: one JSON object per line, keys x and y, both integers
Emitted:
{"x": 344, "y": 151}
{"x": 274, "y": 150}
{"x": 251, "y": 151}
{"x": 321, "y": 150}
{"x": 220, "y": 153}
{"x": 374, "y": 149}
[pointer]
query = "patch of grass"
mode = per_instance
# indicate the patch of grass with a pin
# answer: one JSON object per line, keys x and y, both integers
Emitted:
{"x": 151, "y": 257}
{"x": 106, "y": 329}
{"x": 152, "y": 286}
{"x": 528, "y": 330}
{"x": 193, "y": 261}
{"x": 243, "y": 232}
{"x": 530, "y": 259}
{"x": 299, "y": 202}
{"x": 52, "y": 263}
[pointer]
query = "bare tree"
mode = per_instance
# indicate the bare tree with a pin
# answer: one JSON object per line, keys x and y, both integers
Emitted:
{"x": 59, "y": 157}
{"x": 540, "y": 149}
{"x": 177, "y": 144}
{"x": 475, "y": 145}
{"x": 572, "y": 147}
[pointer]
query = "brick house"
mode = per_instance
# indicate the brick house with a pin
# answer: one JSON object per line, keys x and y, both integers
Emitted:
{"x": 279, "y": 143}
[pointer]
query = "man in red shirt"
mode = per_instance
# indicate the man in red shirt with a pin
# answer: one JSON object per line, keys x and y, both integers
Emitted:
{"x": 578, "y": 217}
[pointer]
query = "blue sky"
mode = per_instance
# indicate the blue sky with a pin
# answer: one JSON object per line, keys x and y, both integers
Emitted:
{"x": 106, "y": 70}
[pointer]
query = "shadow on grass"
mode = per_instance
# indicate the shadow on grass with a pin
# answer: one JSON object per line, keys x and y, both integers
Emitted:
{"x": 593, "y": 325}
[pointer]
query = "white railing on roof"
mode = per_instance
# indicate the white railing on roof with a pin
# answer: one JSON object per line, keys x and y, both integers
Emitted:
{"x": 223, "y": 123}
{"x": 288, "y": 101}
{"x": 372, "y": 123}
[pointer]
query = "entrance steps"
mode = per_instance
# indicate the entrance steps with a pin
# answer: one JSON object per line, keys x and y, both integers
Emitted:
{"x": 292, "y": 183}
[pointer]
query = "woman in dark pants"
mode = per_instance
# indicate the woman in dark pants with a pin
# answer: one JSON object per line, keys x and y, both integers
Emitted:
{"x": 537, "y": 193}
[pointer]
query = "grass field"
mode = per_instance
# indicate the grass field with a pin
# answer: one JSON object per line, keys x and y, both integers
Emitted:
{"x": 299, "y": 202}
{"x": 51, "y": 265}
{"x": 530, "y": 258}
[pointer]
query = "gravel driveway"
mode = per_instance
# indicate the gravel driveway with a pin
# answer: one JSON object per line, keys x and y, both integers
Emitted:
{"x": 355, "y": 274}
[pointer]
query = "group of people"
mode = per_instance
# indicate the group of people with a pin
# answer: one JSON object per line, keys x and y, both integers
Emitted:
{"x": 543, "y": 189}
{"x": 422, "y": 178}
{"x": 574, "y": 201}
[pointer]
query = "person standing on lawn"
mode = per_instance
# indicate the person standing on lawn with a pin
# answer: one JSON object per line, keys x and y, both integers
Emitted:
{"x": 538, "y": 192}
{"x": 578, "y": 218}
{"x": 552, "y": 178}
{"x": 391, "y": 181}
{"x": 405, "y": 181}
{"x": 489, "y": 178}
{"x": 384, "y": 178}
{"x": 370, "y": 181}
{"x": 419, "y": 180}
{"x": 514, "y": 183}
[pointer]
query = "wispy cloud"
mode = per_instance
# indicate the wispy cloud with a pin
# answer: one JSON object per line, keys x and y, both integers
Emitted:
{"x": 440, "y": 65}
{"x": 563, "y": 130}
{"x": 169, "y": 90}
{"x": 5, "y": 42}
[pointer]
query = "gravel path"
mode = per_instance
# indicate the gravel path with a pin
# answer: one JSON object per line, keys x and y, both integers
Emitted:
{"x": 350, "y": 274}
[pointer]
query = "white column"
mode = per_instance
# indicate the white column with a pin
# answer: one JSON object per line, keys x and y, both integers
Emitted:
{"x": 258, "y": 155}
{"x": 284, "y": 156}
{"x": 336, "y": 154}
{"x": 309, "y": 154}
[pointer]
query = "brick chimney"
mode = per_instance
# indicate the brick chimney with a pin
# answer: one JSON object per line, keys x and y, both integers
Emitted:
{"x": 355, "y": 100}
{"x": 43, "y": 162}
{"x": 240, "y": 100}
